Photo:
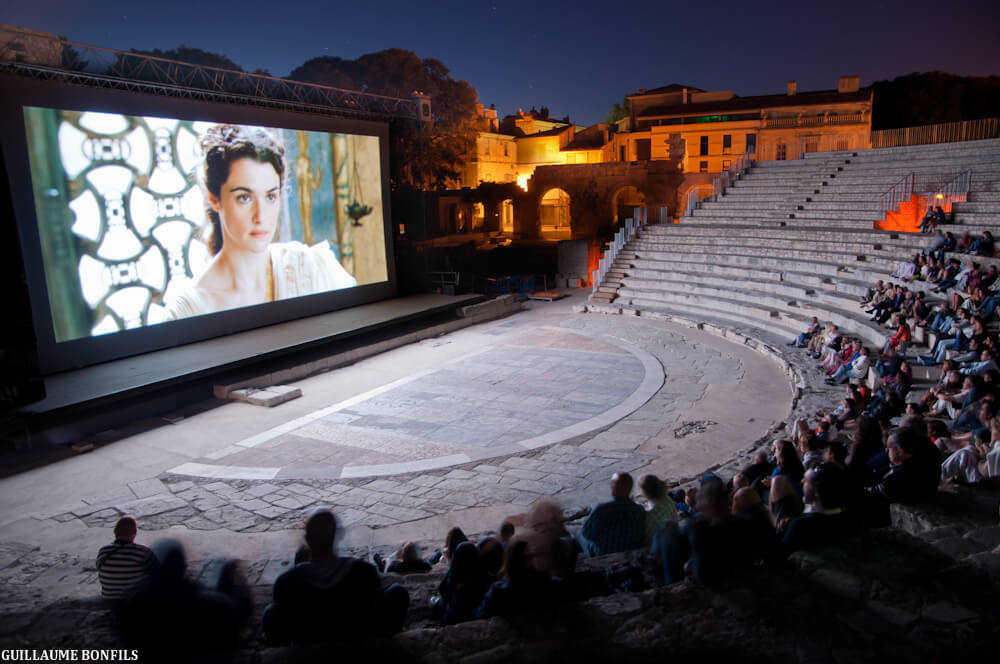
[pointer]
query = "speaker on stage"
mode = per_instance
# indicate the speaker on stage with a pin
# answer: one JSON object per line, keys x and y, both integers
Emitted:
{"x": 20, "y": 377}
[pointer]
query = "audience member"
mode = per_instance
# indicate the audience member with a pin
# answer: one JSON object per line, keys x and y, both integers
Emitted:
{"x": 825, "y": 520}
{"x": 408, "y": 561}
{"x": 659, "y": 507}
{"x": 462, "y": 589}
{"x": 913, "y": 475}
{"x": 123, "y": 563}
{"x": 524, "y": 588}
{"x": 331, "y": 598}
{"x": 617, "y": 525}
{"x": 169, "y": 612}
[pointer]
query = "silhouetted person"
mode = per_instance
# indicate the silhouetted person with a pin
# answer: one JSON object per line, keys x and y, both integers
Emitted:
{"x": 331, "y": 598}
{"x": 525, "y": 589}
{"x": 169, "y": 612}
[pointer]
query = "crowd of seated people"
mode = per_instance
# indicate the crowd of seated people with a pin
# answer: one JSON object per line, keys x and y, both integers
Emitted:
{"x": 833, "y": 479}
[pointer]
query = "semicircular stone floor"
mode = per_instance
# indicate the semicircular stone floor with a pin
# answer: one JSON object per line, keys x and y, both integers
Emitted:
{"x": 458, "y": 429}
{"x": 528, "y": 390}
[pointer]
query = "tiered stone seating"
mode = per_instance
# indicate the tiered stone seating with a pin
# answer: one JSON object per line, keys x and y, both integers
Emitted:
{"x": 771, "y": 252}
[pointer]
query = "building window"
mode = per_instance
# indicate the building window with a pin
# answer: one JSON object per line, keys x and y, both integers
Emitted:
{"x": 505, "y": 150}
{"x": 727, "y": 143}
{"x": 704, "y": 146}
{"x": 703, "y": 167}
{"x": 780, "y": 152}
{"x": 726, "y": 164}
{"x": 621, "y": 151}
{"x": 751, "y": 143}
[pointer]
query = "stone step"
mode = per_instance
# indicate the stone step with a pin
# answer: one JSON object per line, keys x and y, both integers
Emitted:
{"x": 759, "y": 305}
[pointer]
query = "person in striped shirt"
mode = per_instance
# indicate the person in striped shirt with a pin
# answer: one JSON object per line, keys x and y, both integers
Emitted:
{"x": 123, "y": 563}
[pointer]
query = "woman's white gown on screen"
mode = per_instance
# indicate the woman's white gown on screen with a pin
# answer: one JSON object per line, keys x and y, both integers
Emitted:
{"x": 298, "y": 270}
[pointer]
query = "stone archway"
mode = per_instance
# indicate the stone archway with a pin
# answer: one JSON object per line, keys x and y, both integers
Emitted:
{"x": 554, "y": 215}
{"x": 507, "y": 216}
{"x": 623, "y": 201}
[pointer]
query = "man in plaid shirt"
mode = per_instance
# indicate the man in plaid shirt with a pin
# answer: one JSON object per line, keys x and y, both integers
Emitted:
{"x": 617, "y": 525}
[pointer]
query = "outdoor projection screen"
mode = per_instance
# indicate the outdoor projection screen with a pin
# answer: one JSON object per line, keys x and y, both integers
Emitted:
{"x": 149, "y": 222}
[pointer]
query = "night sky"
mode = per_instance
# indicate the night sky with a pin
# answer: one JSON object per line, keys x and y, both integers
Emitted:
{"x": 576, "y": 58}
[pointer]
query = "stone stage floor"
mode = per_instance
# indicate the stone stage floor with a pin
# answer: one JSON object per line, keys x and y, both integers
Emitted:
{"x": 463, "y": 429}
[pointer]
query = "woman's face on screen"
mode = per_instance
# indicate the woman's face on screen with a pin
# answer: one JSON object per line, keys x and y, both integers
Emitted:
{"x": 248, "y": 205}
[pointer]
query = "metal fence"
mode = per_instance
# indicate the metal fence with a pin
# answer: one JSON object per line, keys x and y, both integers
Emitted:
{"x": 952, "y": 132}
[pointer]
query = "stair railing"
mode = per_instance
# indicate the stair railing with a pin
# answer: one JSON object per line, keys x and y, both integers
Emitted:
{"x": 900, "y": 191}
{"x": 720, "y": 182}
{"x": 622, "y": 237}
{"x": 957, "y": 190}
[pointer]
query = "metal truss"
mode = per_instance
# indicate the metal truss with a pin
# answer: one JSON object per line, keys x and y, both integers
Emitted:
{"x": 40, "y": 56}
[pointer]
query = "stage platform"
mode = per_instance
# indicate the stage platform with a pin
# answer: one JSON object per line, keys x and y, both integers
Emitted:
{"x": 78, "y": 392}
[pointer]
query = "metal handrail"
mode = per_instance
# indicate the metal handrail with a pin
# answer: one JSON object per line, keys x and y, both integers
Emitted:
{"x": 957, "y": 190}
{"x": 720, "y": 183}
{"x": 622, "y": 237}
{"x": 896, "y": 194}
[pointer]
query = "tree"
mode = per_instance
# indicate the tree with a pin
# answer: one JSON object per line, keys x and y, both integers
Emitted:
{"x": 71, "y": 57}
{"x": 429, "y": 156}
{"x": 619, "y": 111}
{"x": 934, "y": 98}
{"x": 194, "y": 56}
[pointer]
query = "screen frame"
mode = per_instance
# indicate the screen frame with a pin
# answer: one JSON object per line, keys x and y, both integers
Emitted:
{"x": 76, "y": 353}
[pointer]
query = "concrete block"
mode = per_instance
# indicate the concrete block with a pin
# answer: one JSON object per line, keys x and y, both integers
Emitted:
{"x": 269, "y": 397}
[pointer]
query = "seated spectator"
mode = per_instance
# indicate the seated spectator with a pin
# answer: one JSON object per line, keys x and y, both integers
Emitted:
{"x": 506, "y": 533}
{"x": 123, "y": 563}
{"x": 553, "y": 548}
{"x": 169, "y": 612}
{"x": 983, "y": 246}
{"x": 491, "y": 556}
{"x": 857, "y": 369}
{"x": 802, "y": 340}
{"x": 899, "y": 340}
{"x": 812, "y": 450}
{"x": 986, "y": 363}
{"x": 524, "y": 588}
{"x": 970, "y": 463}
{"x": 659, "y": 507}
{"x": 836, "y": 454}
{"x": 939, "y": 216}
{"x": 462, "y": 589}
{"x": 454, "y": 537}
{"x": 824, "y": 521}
{"x": 929, "y": 222}
{"x": 934, "y": 247}
{"x": 873, "y": 295}
{"x": 817, "y": 341}
{"x": 332, "y": 598}
{"x": 786, "y": 484}
{"x": 714, "y": 543}
{"x": 617, "y": 525}
{"x": 408, "y": 561}
{"x": 964, "y": 243}
{"x": 760, "y": 468}
{"x": 913, "y": 475}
